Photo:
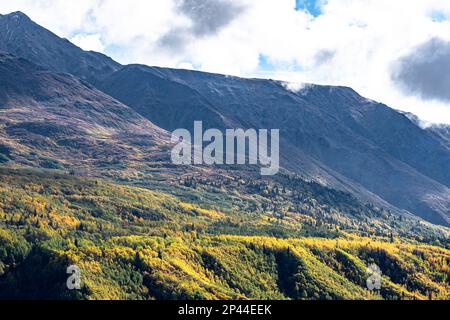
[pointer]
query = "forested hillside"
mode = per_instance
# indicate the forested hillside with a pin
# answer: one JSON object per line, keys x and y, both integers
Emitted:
{"x": 135, "y": 243}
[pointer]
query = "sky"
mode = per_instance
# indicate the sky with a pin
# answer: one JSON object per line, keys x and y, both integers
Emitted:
{"x": 395, "y": 52}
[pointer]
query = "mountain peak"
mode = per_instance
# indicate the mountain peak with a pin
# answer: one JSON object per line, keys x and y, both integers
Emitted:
{"x": 24, "y": 38}
{"x": 17, "y": 15}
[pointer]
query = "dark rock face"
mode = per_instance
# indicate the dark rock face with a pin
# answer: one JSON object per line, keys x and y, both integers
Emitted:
{"x": 22, "y": 37}
{"x": 147, "y": 93}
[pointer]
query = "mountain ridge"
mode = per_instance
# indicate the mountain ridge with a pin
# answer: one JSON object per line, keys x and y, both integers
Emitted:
{"x": 55, "y": 121}
{"x": 330, "y": 134}
{"x": 24, "y": 38}
{"x": 312, "y": 120}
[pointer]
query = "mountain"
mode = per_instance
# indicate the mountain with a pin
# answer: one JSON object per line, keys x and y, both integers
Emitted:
{"x": 87, "y": 180}
{"x": 22, "y": 37}
{"x": 330, "y": 134}
{"x": 146, "y": 92}
{"x": 55, "y": 120}
{"x": 442, "y": 132}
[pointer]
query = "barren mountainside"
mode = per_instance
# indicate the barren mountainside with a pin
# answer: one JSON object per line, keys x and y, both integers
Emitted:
{"x": 331, "y": 134}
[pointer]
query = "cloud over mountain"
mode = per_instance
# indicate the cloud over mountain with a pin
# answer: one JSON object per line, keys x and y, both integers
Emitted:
{"x": 206, "y": 17}
{"x": 338, "y": 42}
{"x": 426, "y": 71}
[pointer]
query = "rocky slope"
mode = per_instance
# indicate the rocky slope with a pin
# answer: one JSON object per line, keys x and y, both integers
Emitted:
{"x": 330, "y": 134}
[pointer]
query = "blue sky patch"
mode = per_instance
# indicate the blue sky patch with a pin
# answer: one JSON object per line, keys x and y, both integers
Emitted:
{"x": 438, "y": 16}
{"x": 311, "y": 6}
{"x": 265, "y": 64}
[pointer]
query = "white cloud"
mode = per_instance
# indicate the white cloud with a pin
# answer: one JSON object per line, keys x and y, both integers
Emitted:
{"x": 353, "y": 43}
{"x": 296, "y": 87}
{"x": 88, "y": 42}
{"x": 186, "y": 66}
